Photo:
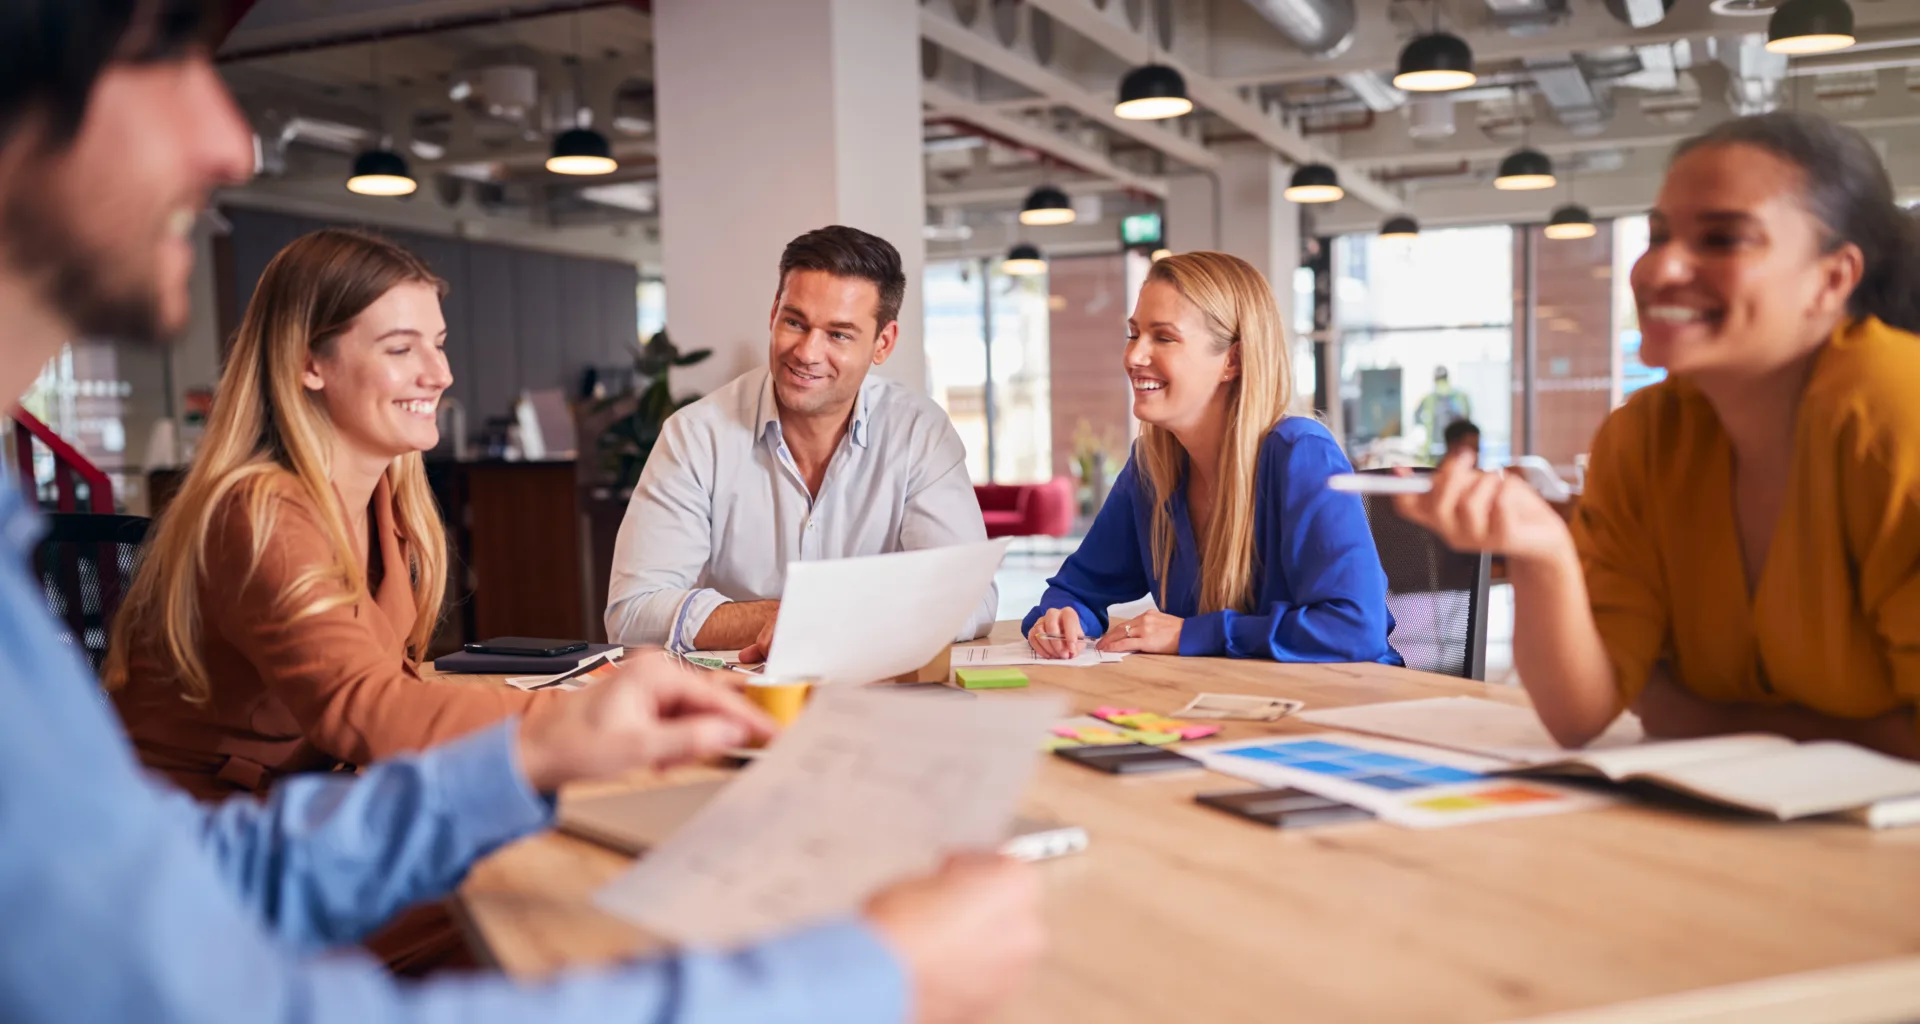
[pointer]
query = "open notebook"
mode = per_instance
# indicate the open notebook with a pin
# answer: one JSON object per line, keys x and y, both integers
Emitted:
{"x": 1768, "y": 774}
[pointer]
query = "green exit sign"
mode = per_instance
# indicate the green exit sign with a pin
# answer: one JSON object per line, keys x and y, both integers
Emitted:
{"x": 1140, "y": 229}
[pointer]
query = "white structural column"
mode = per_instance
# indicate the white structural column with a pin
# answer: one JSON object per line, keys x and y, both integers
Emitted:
{"x": 774, "y": 119}
{"x": 1254, "y": 221}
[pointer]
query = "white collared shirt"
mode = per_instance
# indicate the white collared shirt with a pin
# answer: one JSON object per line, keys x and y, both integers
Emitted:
{"x": 721, "y": 508}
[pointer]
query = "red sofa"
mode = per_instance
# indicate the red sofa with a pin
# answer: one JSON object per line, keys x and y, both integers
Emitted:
{"x": 1027, "y": 510}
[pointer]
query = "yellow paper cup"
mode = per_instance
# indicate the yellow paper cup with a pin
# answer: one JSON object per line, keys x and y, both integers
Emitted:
{"x": 783, "y": 701}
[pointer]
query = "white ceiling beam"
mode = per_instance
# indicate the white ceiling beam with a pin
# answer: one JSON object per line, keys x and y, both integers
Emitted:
{"x": 947, "y": 103}
{"x": 1106, "y": 29}
{"x": 1630, "y": 128}
{"x": 1056, "y": 88}
{"x": 1001, "y": 195}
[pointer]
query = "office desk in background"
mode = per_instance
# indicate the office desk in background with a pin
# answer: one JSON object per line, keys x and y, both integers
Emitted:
{"x": 1180, "y": 913}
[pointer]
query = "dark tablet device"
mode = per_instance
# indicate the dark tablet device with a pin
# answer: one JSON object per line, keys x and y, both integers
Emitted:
{"x": 1283, "y": 808}
{"x": 1127, "y": 758}
{"x": 527, "y": 646}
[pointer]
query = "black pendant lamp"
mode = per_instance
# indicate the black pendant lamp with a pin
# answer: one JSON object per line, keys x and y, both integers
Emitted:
{"x": 581, "y": 151}
{"x": 1525, "y": 170}
{"x": 1569, "y": 222}
{"x": 1152, "y": 92}
{"x": 1437, "y": 62}
{"x": 1314, "y": 183}
{"x": 1046, "y": 206}
{"x": 381, "y": 172}
{"x": 1023, "y": 260}
{"x": 1400, "y": 227}
{"x": 1810, "y": 26}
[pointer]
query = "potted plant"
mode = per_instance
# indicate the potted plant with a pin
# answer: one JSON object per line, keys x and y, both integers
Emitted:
{"x": 626, "y": 426}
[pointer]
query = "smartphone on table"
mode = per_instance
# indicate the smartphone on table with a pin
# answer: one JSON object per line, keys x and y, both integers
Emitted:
{"x": 527, "y": 646}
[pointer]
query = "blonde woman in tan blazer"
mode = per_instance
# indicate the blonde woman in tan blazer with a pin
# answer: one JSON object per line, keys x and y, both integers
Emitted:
{"x": 278, "y": 619}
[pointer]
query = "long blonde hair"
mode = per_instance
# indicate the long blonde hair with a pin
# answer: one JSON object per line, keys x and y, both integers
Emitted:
{"x": 267, "y": 427}
{"x": 1240, "y": 311}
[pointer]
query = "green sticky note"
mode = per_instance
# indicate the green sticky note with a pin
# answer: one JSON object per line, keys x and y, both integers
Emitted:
{"x": 991, "y": 678}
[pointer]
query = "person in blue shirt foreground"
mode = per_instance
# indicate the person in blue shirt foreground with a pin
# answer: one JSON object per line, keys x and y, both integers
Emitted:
{"x": 1223, "y": 513}
{"x": 126, "y": 901}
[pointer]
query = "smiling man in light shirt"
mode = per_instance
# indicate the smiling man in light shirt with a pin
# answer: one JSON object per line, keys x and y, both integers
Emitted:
{"x": 812, "y": 457}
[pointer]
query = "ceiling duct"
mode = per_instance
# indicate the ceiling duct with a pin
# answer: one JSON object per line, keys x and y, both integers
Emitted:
{"x": 1754, "y": 76}
{"x": 1430, "y": 118}
{"x": 1639, "y": 13}
{"x": 1324, "y": 28}
{"x": 1576, "y": 104}
{"x": 1526, "y": 17}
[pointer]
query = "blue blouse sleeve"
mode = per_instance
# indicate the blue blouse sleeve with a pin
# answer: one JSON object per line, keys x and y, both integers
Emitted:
{"x": 1106, "y": 569}
{"x": 1319, "y": 552}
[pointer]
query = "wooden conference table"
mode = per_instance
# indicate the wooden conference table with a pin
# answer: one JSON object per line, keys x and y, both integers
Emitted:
{"x": 1178, "y": 912}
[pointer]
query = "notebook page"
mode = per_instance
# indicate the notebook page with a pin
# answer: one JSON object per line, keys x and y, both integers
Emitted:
{"x": 1651, "y": 759}
{"x": 1510, "y": 732}
{"x": 1812, "y": 778}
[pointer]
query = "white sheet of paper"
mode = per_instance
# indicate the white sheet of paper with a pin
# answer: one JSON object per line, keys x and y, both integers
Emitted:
{"x": 865, "y": 789}
{"x": 1811, "y": 778}
{"x": 1019, "y": 652}
{"x": 1506, "y": 731}
{"x": 862, "y": 620}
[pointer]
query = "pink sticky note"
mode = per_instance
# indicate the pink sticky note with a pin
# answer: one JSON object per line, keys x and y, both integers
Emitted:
{"x": 1194, "y": 732}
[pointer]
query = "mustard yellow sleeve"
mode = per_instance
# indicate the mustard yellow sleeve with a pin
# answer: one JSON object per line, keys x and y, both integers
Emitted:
{"x": 1880, "y": 485}
{"x": 1618, "y": 552}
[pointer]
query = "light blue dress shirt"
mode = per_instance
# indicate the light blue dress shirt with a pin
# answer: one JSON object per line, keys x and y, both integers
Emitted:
{"x": 721, "y": 508}
{"x": 122, "y": 900}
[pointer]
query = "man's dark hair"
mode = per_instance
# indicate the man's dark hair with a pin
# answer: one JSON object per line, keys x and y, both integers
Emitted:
{"x": 1458, "y": 431}
{"x": 850, "y": 252}
{"x": 52, "y": 52}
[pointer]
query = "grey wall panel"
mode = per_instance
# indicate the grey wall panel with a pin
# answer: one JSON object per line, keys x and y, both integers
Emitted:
{"x": 579, "y": 319}
{"x": 536, "y": 280}
{"x": 492, "y": 327}
{"x": 619, "y": 298}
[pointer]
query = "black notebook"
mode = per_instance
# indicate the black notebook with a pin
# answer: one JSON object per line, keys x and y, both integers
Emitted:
{"x": 521, "y": 665}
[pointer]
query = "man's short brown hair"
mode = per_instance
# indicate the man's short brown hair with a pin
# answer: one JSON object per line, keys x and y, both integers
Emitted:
{"x": 850, "y": 252}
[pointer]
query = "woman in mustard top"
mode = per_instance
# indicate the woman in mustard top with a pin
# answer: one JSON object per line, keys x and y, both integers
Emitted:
{"x": 1746, "y": 556}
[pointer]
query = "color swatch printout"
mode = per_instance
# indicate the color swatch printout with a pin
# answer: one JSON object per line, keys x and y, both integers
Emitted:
{"x": 1402, "y": 783}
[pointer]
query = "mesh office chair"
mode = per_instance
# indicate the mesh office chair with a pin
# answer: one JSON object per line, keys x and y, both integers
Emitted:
{"x": 1438, "y": 596}
{"x": 85, "y": 564}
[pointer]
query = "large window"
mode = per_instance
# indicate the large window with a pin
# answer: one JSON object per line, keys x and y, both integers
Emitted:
{"x": 1629, "y": 243}
{"x": 1426, "y": 337}
{"x": 1004, "y": 417}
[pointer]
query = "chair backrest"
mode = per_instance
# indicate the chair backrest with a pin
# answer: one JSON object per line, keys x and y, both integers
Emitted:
{"x": 85, "y": 564}
{"x": 1438, "y": 596}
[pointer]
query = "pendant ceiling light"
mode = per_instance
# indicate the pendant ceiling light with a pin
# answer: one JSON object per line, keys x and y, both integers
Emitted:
{"x": 1570, "y": 222}
{"x": 581, "y": 151}
{"x": 1437, "y": 62}
{"x": 1046, "y": 206}
{"x": 1810, "y": 26}
{"x": 1314, "y": 183}
{"x": 1152, "y": 92}
{"x": 1400, "y": 227}
{"x": 1525, "y": 170}
{"x": 1023, "y": 260}
{"x": 381, "y": 172}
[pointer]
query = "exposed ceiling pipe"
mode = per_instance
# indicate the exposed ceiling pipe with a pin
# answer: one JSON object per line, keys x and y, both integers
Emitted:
{"x": 1324, "y": 28}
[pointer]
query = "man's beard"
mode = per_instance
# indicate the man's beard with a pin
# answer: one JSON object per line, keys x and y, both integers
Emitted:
{"x": 76, "y": 281}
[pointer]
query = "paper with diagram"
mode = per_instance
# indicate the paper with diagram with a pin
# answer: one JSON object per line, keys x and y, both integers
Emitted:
{"x": 1019, "y": 652}
{"x": 867, "y": 788}
{"x": 862, "y": 620}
